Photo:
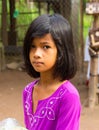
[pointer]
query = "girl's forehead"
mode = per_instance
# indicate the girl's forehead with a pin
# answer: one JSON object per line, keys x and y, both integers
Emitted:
{"x": 46, "y": 38}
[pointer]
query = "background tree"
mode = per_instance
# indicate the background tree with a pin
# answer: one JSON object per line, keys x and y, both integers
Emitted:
{"x": 4, "y": 35}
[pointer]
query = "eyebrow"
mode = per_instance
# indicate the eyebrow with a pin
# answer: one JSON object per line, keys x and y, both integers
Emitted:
{"x": 44, "y": 43}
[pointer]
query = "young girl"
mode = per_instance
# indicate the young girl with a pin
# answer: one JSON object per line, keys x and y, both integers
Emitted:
{"x": 50, "y": 102}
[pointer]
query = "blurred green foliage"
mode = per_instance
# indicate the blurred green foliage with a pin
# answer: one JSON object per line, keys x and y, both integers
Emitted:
{"x": 25, "y": 13}
{"x": 87, "y": 24}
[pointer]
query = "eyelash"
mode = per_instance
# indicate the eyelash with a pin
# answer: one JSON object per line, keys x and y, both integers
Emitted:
{"x": 44, "y": 47}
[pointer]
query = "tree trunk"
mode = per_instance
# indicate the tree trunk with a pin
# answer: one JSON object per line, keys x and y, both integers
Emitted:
{"x": 94, "y": 71}
{"x": 12, "y": 32}
{"x": 81, "y": 36}
{"x": 62, "y": 7}
{"x": 4, "y": 23}
{"x": 65, "y": 8}
{"x": 75, "y": 26}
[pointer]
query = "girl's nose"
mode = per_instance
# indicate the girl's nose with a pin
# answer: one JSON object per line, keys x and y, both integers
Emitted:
{"x": 37, "y": 53}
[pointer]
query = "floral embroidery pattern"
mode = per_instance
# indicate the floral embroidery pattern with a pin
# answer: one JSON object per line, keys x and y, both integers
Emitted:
{"x": 46, "y": 111}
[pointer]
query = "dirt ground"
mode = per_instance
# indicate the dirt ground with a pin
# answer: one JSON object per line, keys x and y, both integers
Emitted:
{"x": 12, "y": 83}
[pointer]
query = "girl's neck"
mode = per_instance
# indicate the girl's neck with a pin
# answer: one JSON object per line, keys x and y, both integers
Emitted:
{"x": 47, "y": 82}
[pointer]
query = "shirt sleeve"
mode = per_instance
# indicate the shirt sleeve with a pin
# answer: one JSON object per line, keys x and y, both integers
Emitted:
{"x": 69, "y": 113}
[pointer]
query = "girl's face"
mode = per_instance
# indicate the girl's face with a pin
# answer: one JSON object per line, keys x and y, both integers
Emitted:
{"x": 43, "y": 53}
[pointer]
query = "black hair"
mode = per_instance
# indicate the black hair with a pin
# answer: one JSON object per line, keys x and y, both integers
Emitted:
{"x": 61, "y": 32}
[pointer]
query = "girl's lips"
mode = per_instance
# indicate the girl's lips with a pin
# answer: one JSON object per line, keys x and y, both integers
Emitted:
{"x": 37, "y": 63}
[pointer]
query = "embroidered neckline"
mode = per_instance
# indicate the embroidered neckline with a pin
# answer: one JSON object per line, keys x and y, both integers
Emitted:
{"x": 54, "y": 93}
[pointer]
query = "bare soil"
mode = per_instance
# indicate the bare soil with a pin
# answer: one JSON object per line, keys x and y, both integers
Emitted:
{"x": 12, "y": 83}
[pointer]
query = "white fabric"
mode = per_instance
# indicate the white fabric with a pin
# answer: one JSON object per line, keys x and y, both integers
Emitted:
{"x": 10, "y": 124}
{"x": 87, "y": 56}
{"x": 86, "y": 53}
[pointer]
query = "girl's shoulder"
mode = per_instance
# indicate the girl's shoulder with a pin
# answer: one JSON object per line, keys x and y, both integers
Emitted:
{"x": 29, "y": 86}
{"x": 65, "y": 91}
{"x": 70, "y": 89}
{"x": 70, "y": 95}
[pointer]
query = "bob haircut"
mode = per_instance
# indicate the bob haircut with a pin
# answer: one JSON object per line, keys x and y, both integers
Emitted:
{"x": 61, "y": 32}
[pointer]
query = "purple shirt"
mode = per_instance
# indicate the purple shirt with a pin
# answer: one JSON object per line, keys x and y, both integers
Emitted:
{"x": 60, "y": 111}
